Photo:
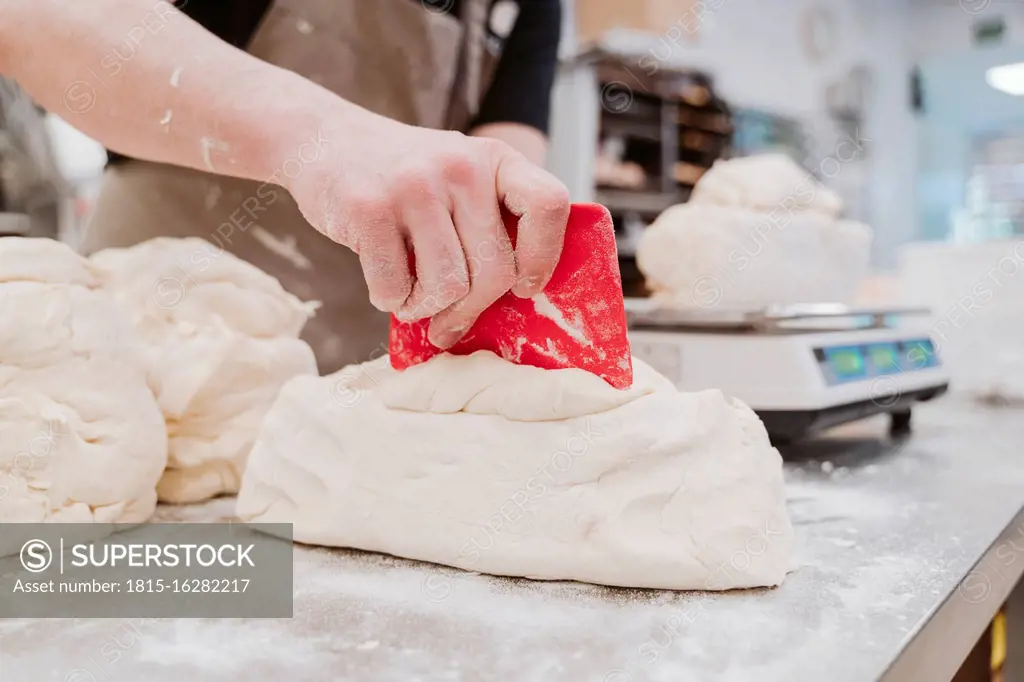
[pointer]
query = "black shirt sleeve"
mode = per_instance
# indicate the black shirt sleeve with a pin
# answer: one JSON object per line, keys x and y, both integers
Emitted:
{"x": 520, "y": 91}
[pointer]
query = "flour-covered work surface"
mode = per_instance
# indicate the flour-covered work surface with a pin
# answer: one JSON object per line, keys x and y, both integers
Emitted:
{"x": 885, "y": 534}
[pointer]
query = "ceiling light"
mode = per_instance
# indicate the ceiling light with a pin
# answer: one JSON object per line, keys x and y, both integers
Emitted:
{"x": 1008, "y": 78}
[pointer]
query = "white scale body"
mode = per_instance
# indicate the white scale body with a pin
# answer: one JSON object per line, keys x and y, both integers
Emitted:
{"x": 801, "y": 368}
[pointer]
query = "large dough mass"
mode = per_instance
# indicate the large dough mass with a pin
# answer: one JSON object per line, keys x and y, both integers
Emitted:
{"x": 481, "y": 464}
{"x": 81, "y": 437}
{"x": 221, "y": 339}
{"x": 757, "y": 231}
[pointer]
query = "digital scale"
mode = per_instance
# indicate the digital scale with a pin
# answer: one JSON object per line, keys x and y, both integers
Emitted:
{"x": 802, "y": 368}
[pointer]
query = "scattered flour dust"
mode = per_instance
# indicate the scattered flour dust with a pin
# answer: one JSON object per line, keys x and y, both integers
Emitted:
{"x": 520, "y": 342}
{"x": 208, "y": 144}
{"x": 545, "y": 307}
{"x": 886, "y": 585}
{"x": 551, "y": 351}
{"x": 405, "y": 589}
{"x": 176, "y": 76}
{"x": 818, "y": 499}
{"x": 212, "y": 197}
{"x": 285, "y": 248}
{"x": 221, "y": 647}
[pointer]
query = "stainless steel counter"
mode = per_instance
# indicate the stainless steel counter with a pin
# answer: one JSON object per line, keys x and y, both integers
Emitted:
{"x": 891, "y": 588}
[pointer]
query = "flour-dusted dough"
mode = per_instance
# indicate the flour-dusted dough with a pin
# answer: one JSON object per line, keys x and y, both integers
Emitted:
{"x": 474, "y": 462}
{"x": 221, "y": 340}
{"x": 765, "y": 183}
{"x": 81, "y": 437}
{"x": 699, "y": 256}
{"x": 757, "y": 231}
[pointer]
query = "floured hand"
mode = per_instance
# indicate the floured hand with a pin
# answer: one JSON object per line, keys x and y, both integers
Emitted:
{"x": 385, "y": 190}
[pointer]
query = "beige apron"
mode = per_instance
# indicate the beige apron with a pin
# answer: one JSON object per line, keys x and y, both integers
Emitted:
{"x": 398, "y": 58}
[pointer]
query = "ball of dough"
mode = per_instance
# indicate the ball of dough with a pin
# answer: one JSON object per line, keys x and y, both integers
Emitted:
{"x": 81, "y": 436}
{"x": 765, "y": 183}
{"x": 477, "y": 463}
{"x": 757, "y": 231}
{"x": 221, "y": 339}
{"x": 703, "y": 256}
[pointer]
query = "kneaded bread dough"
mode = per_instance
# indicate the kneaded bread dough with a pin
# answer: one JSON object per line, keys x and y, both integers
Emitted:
{"x": 757, "y": 231}
{"x": 221, "y": 339}
{"x": 764, "y": 183}
{"x": 699, "y": 256}
{"x": 477, "y": 463}
{"x": 81, "y": 436}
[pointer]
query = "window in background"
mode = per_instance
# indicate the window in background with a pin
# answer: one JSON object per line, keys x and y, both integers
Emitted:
{"x": 994, "y": 198}
{"x": 970, "y": 185}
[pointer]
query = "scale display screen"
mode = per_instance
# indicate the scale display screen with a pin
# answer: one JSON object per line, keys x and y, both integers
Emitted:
{"x": 846, "y": 363}
{"x": 843, "y": 364}
{"x": 884, "y": 356}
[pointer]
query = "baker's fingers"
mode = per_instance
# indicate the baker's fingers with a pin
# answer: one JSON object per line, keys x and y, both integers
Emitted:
{"x": 365, "y": 221}
{"x": 442, "y": 277}
{"x": 492, "y": 265}
{"x": 541, "y": 202}
{"x": 384, "y": 258}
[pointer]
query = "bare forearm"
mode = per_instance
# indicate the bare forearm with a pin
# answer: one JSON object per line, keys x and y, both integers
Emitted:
{"x": 147, "y": 81}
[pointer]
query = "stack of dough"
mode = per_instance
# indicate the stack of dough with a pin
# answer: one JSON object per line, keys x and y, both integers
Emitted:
{"x": 757, "y": 231}
{"x": 222, "y": 338}
{"x": 474, "y": 462}
{"x": 81, "y": 436}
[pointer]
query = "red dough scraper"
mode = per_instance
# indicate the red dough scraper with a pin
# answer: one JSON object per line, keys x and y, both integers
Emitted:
{"x": 577, "y": 321}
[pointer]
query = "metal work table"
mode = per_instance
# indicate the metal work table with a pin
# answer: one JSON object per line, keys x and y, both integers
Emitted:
{"x": 908, "y": 549}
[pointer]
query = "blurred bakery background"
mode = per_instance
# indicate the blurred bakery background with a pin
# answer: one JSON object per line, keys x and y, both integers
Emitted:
{"x": 651, "y": 92}
{"x": 668, "y": 86}
{"x": 911, "y": 111}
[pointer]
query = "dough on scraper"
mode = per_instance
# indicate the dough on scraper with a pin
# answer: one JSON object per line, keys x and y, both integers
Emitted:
{"x": 81, "y": 436}
{"x": 477, "y": 463}
{"x": 222, "y": 338}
